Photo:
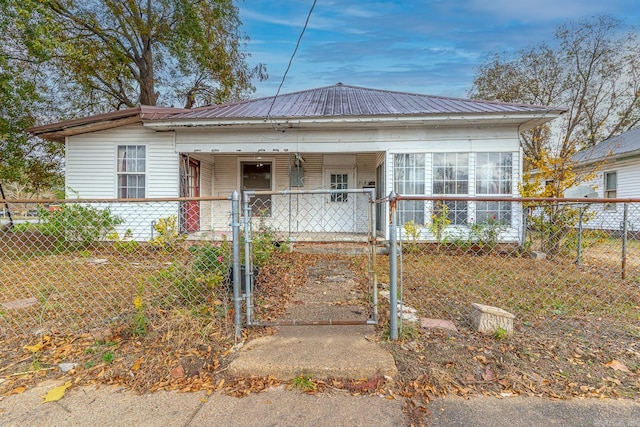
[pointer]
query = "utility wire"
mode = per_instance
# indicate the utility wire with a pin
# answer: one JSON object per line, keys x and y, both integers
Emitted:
{"x": 284, "y": 76}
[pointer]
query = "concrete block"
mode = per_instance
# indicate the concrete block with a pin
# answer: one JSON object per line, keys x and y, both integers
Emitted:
{"x": 538, "y": 256}
{"x": 487, "y": 319}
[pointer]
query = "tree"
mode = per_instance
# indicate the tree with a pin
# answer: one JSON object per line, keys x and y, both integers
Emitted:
{"x": 123, "y": 53}
{"x": 28, "y": 164}
{"x": 594, "y": 72}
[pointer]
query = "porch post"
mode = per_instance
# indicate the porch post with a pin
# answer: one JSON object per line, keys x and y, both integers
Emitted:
{"x": 235, "y": 226}
{"x": 393, "y": 268}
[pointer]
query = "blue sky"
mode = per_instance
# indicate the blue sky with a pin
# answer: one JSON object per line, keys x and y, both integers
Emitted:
{"x": 430, "y": 47}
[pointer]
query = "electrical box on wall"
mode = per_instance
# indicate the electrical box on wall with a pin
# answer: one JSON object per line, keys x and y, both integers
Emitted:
{"x": 296, "y": 177}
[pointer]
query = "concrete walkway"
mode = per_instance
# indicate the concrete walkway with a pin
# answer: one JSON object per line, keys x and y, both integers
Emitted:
{"x": 319, "y": 351}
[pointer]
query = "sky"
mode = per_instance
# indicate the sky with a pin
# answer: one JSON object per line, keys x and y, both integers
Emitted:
{"x": 429, "y": 47}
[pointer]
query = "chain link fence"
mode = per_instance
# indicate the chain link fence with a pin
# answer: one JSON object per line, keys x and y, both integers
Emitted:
{"x": 320, "y": 215}
{"x": 70, "y": 266}
{"x": 555, "y": 265}
{"x": 78, "y": 265}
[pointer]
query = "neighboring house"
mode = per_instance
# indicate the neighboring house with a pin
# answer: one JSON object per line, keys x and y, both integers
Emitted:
{"x": 336, "y": 137}
{"x": 617, "y": 165}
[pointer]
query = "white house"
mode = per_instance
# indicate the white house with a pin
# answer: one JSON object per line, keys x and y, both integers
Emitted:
{"x": 617, "y": 165}
{"x": 338, "y": 137}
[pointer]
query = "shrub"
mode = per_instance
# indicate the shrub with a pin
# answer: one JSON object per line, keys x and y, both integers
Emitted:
{"x": 169, "y": 237}
{"x": 78, "y": 225}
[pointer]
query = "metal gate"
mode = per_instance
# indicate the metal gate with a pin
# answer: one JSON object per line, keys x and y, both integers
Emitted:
{"x": 304, "y": 217}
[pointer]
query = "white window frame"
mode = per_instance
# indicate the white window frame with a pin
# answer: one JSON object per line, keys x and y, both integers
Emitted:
{"x": 504, "y": 209}
{"x": 455, "y": 214}
{"x": 120, "y": 174}
{"x": 411, "y": 210}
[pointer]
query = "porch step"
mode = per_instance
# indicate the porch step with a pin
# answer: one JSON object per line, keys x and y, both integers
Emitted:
{"x": 349, "y": 248}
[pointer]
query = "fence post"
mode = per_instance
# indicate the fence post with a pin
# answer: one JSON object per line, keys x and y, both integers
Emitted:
{"x": 579, "y": 250}
{"x": 393, "y": 268}
{"x": 235, "y": 226}
{"x": 247, "y": 257}
{"x": 625, "y": 230}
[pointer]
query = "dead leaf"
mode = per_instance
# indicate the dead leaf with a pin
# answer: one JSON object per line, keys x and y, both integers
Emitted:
{"x": 18, "y": 390}
{"x": 488, "y": 374}
{"x": 34, "y": 348}
{"x": 136, "y": 365}
{"x": 57, "y": 393}
{"x": 617, "y": 366}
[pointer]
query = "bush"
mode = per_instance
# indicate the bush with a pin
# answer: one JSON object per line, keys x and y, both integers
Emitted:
{"x": 78, "y": 225}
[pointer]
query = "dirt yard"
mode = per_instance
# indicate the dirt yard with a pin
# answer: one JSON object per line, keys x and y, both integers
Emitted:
{"x": 578, "y": 351}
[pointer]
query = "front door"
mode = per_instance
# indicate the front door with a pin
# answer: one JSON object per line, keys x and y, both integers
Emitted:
{"x": 190, "y": 187}
{"x": 339, "y": 208}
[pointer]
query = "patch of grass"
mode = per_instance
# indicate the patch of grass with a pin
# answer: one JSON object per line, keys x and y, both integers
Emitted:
{"x": 303, "y": 383}
{"x": 500, "y": 333}
{"x": 108, "y": 357}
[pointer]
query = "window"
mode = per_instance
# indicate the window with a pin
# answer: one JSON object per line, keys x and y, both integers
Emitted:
{"x": 409, "y": 178}
{"x": 131, "y": 166}
{"x": 493, "y": 173}
{"x": 493, "y": 211}
{"x": 450, "y": 178}
{"x": 257, "y": 176}
{"x": 339, "y": 181}
{"x": 610, "y": 189}
{"x": 493, "y": 177}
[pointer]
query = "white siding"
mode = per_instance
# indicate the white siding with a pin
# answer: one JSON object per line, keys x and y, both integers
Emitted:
{"x": 628, "y": 180}
{"x": 90, "y": 173}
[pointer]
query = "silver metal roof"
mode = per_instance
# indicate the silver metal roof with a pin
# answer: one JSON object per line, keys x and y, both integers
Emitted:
{"x": 344, "y": 100}
{"x": 626, "y": 143}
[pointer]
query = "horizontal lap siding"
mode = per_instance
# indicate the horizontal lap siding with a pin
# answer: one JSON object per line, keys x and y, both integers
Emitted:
{"x": 628, "y": 177}
{"x": 90, "y": 173}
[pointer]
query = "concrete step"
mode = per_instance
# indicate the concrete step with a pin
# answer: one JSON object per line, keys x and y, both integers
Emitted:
{"x": 317, "y": 351}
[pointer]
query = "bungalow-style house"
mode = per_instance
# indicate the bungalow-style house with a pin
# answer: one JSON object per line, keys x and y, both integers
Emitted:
{"x": 337, "y": 137}
{"x": 617, "y": 165}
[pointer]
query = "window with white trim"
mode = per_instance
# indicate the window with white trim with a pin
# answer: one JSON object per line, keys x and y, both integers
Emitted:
{"x": 339, "y": 181}
{"x": 451, "y": 178}
{"x": 131, "y": 170}
{"x": 494, "y": 178}
{"x": 409, "y": 178}
{"x": 610, "y": 189}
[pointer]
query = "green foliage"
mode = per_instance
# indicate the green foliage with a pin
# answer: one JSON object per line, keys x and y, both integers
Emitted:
{"x": 303, "y": 383}
{"x": 108, "y": 357}
{"x": 439, "y": 220}
{"x": 412, "y": 231}
{"x": 500, "y": 333}
{"x": 140, "y": 320}
{"x": 78, "y": 226}
{"x": 589, "y": 238}
{"x": 211, "y": 264}
{"x": 123, "y": 244}
{"x": 111, "y": 52}
{"x": 169, "y": 237}
{"x": 487, "y": 233}
{"x": 266, "y": 242}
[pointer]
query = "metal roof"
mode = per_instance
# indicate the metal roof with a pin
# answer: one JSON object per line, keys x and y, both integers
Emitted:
{"x": 626, "y": 143}
{"x": 327, "y": 102}
{"x": 345, "y": 100}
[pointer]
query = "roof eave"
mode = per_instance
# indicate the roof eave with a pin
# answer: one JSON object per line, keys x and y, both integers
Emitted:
{"x": 526, "y": 120}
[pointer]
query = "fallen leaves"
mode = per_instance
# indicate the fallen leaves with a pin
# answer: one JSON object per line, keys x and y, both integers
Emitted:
{"x": 57, "y": 393}
{"x": 617, "y": 366}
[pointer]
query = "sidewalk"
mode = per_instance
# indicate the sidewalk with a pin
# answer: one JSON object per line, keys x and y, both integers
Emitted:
{"x": 88, "y": 406}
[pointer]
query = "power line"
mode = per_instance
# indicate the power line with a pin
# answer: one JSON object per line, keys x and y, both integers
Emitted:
{"x": 284, "y": 76}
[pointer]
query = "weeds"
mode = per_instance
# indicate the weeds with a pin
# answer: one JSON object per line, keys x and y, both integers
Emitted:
{"x": 303, "y": 383}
